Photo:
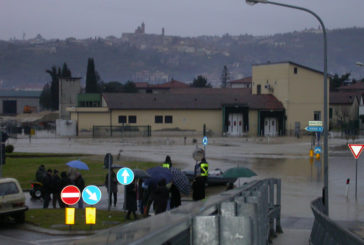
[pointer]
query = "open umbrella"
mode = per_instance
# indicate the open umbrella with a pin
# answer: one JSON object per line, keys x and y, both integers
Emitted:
{"x": 77, "y": 164}
{"x": 180, "y": 180}
{"x": 138, "y": 173}
{"x": 157, "y": 174}
{"x": 238, "y": 172}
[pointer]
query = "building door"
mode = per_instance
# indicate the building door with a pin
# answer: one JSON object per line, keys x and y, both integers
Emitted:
{"x": 235, "y": 124}
{"x": 270, "y": 126}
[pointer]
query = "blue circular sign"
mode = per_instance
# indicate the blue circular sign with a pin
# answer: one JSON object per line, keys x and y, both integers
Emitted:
{"x": 125, "y": 176}
{"x": 204, "y": 141}
{"x": 91, "y": 194}
{"x": 317, "y": 150}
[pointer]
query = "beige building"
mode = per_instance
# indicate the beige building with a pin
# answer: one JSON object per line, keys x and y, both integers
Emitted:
{"x": 222, "y": 111}
{"x": 344, "y": 107}
{"x": 298, "y": 88}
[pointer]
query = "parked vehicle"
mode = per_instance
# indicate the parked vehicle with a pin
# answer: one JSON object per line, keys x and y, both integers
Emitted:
{"x": 12, "y": 200}
{"x": 36, "y": 191}
{"x": 215, "y": 177}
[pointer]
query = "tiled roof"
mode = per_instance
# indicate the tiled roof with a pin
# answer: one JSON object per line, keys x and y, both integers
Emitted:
{"x": 342, "y": 98}
{"x": 355, "y": 86}
{"x": 193, "y": 99}
{"x": 243, "y": 80}
{"x": 170, "y": 84}
{"x": 19, "y": 93}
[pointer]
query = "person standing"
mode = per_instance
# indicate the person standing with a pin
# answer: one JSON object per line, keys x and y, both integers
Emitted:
{"x": 56, "y": 192}
{"x": 113, "y": 187}
{"x": 80, "y": 183}
{"x": 47, "y": 188}
{"x": 198, "y": 188}
{"x": 131, "y": 200}
{"x": 167, "y": 162}
{"x": 160, "y": 198}
{"x": 65, "y": 181}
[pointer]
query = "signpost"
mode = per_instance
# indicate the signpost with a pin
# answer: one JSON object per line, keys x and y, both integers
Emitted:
{"x": 314, "y": 129}
{"x": 204, "y": 142}
{"x": 356, "y": 149}
{"x": 125, "y": 176}
{"x": 91, "y": 195}
{"x": 70, "y": 195}
{"x": 108, "y": 164}
{"x": 315, "y": 123}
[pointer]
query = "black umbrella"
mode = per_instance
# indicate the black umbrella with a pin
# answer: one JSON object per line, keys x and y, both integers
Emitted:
{"x": 180, "y": 180}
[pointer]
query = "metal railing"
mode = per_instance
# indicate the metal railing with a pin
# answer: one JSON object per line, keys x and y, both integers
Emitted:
{"x": 246, "y": 215}
{"x": 121, "y": 131}
{"x": 325, "y": 231}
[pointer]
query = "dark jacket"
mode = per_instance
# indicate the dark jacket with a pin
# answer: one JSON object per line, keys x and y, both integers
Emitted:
{"x": 130, "y": 197}
{"x": 56, "y": 184}
{"x": 47, "y": 184}
{"x": 160, "y": 198}
{"x": 80, "y": 183}
{"x": 64, "y": 180}
{"x": 198, "y": 187}
{"x": 40, "y": 174}
{"x": 113, "y": 182}
{"x": 175, "y": 197}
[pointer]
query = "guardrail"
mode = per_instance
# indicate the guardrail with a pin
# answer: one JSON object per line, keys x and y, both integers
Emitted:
{"x": 325, "y": 231}
{"x": 246, "y": 215}
{"x": 121, "y": 131}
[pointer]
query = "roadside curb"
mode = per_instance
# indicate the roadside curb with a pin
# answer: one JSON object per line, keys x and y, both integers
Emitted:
{"x": 51, "y": 232}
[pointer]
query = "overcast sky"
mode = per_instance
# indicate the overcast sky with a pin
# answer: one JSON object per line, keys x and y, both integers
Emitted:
{"x": 90, "y": 18}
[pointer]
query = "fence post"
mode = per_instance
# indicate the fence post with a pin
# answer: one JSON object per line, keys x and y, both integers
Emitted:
{"x": 278, "y": 221}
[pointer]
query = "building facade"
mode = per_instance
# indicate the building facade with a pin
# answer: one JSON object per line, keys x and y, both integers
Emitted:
{"x": 16, "y": 102}
{"x": 69, "y": 88}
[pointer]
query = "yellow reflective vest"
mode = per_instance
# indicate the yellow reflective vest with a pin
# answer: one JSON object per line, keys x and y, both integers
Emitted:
{"x": 204, "y": 169}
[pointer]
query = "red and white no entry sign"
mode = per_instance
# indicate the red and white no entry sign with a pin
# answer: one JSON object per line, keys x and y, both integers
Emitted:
{"x": 70, "y": 195}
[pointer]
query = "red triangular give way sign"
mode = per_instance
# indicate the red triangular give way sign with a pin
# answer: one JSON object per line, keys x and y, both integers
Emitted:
{"x": 356, "y": 149}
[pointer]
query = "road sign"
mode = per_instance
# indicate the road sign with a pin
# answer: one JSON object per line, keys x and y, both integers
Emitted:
{"x": 70, "y": 195}
{"x": 317, "y": 150}
{"x": 90, "y": 215}
{"x": 125, "y": 176}
{"x": 70, "y": 216}
{"x": 314, "y": 129}
{"x": 315, "y": 123}
{"x": 204, "y": 141}
{"x": 356, "y": 149}
{"x": 91, "y": 195}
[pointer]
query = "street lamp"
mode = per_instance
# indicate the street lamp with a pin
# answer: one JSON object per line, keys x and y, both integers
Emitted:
{"x": 326, "y": 167}
{"x": 359, "y": 63}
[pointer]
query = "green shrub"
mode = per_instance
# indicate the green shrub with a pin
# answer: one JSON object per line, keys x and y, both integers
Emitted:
{"x": 9, "y": 148}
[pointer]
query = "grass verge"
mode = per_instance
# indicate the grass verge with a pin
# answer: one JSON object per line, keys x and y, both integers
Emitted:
{"x": 23, "y": 166}
{"x": 55, "y": 219}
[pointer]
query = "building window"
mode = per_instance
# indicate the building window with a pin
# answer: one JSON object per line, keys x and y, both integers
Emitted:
{"x": 295, "y": 70}
{"x": 317, "y": 115}
{"x": 330, "y": 113}
{"x": 158, "y": 119}
{"x": 122, "y": 119}
{"x": 132, "y": 119}
{"x": 168, "y": 119}
{"x": 259, "y": 88}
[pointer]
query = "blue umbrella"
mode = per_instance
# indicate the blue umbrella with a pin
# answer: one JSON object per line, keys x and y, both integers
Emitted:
{"x": 157, "y": 174}
{"x": 77, "y": 164}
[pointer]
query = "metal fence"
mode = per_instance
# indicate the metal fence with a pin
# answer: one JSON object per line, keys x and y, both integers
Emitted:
{"x": 121, "y": 131}
{"x": 246, "y": 215}
{"x": 325, "y": 231}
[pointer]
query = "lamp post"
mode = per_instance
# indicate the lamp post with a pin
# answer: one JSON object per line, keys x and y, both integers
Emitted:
{"x": 325, "y": 193}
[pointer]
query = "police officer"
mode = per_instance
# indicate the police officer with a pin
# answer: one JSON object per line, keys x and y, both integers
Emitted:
{"x": 167, "y": 163}
{"x": 204, "y": 168}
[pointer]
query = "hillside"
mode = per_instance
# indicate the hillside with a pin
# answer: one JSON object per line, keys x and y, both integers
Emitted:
{"x": 157, "y": 58}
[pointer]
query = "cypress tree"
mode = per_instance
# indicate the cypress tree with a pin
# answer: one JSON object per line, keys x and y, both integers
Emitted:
{"x": 91, "y": 77}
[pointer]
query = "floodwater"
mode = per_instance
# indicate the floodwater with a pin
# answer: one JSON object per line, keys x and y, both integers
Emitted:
{"x": 302, "y": 179}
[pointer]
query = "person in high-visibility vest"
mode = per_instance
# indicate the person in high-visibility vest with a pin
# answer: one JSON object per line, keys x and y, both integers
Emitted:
{"x": 204, "y": 166}
{"x": 167, "y": 163}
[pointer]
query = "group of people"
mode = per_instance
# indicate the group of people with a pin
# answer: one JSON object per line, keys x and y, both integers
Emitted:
{"x": 52, "y": 184}
{"x": 141, "y": 195}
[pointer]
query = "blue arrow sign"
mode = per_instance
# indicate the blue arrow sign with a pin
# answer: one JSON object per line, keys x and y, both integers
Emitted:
{"x": 91, "y": 195}
{"x": 125, "y": 176}
{"x": 317, "y": 150}
{"x": 204, "y": 141}
{"x": 314, "y": 129}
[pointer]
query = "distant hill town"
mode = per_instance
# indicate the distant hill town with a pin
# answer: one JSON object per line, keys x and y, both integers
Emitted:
{"x": 157, "y": 58}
